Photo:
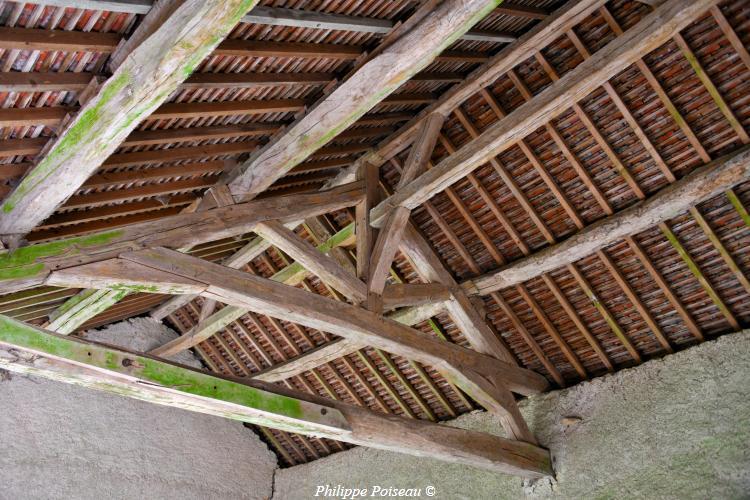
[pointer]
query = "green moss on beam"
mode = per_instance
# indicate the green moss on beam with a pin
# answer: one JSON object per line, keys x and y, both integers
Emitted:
{"x": 82, "y": 307}
{"x": 26, "y": 262}
{"x": 275, "y": 410}
{"x": 738, "y": 206}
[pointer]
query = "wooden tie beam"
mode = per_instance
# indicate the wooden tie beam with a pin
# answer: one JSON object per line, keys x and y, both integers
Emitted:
{"x": 28, "y": 349}
{"x": 28, "y": 266}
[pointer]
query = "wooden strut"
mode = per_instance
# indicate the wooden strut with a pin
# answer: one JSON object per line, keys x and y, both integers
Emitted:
{"x": 28, "y": 349}
{"x": 482, "y": 377}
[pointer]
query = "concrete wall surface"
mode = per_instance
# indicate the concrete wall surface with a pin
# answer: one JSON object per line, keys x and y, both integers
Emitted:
{"x": 60, "y": 441}
{"x": 677, "y": 427}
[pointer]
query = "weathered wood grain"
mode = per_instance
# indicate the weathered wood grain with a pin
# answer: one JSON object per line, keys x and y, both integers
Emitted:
{"x": 142, "y": 82}
{"x": 28, "y": 349}
{"x": 652, "y": 31}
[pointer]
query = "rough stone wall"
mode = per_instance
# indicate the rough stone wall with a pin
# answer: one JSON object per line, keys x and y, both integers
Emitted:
{"x": 677, "y": 427}
{"x": 64, "y": 442}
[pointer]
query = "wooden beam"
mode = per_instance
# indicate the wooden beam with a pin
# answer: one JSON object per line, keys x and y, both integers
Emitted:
{"x": 309, "y": 257}
{"x": 130, "y": 277}
{"x": 76, "y": 41}
{"x": 82, "y": 307}
{"x": 249, "y": 252}
{"x": 417, "y": 294}
{"x": 54, "y": 40}
{"x": 225, "y": 108}
{"x": 173, "y": 154}
{"x": 517, "y": 10}
{"x": 541, "y": 35}
{"x": 28, "y": 266}
{"x": 313, "y": 358}
{"x": 271, "y": 298}
{"x": 28, "y": 349}
{"x": 358, "y": 94}
{"x": 648, "y": 34}
{"x": 338, "y": 348}
{"x": 143, "y": 81}
{"x": 699, "y": 185}
{"x": 51, "y": 82}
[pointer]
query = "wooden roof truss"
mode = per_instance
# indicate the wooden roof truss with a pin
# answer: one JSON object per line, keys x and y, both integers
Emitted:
{"x": 341, "y": 300}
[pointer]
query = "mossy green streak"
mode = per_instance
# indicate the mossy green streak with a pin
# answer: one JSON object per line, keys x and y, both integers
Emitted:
{"x": 25, "y": 261}
{"x": 85, "y": 124}
{"x": 184, "y": 380}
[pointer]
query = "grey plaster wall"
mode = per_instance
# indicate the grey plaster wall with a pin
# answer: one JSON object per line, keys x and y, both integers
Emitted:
{"x": 678, "y": 427}
{"x": 59, "y": 441}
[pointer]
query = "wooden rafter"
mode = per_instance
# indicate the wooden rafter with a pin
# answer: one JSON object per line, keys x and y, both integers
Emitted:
{"x": 390, "y": 68}
{"x": 652, "y": 31}
{"x": 540, "y": 35}
{"x": 144, "y": 80}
